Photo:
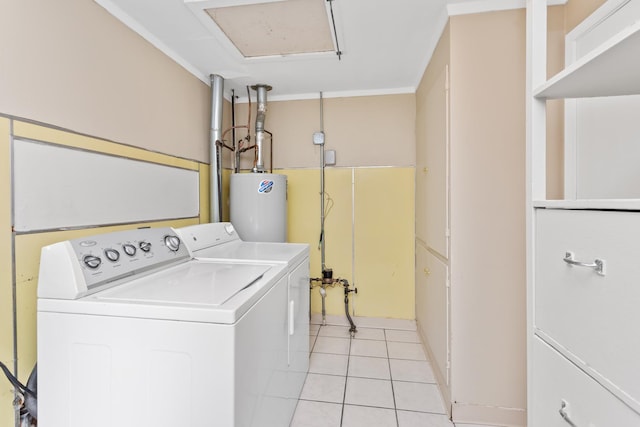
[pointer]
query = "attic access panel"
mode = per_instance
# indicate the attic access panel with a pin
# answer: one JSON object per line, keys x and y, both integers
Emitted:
{"x": 276, "y": 28}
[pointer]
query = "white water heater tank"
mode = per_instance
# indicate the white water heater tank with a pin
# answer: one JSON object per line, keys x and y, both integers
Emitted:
{"x": 258, "y": 206}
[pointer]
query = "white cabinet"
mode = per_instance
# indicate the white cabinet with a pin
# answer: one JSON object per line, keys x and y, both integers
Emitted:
{"x": 561, "y": 394}
{"x": 591, "y": 317}
{"x": 432, "y": 164}
{"x": 432, "y": 307}
{"x": 432, "y": 222}
{"x": 583, "y": 270}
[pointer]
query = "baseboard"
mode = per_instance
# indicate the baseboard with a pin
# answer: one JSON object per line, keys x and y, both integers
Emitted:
{"x": 470, "y": 413}
{"x": 488, "y": 415}
{"x": 365, "y": 322}
{"x": 445, "y": 392}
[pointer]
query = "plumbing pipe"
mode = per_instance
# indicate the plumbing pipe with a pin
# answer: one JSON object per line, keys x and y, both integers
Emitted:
{"x": 217, "y": 89}
{"x": 323, "y": 294}
{"x": 322, "y": 167}
{"x": 236, "y": 154}
{"x": 345, "y": 283}
{"x": 261, "y": 95}
{"x": 270, "y": 150}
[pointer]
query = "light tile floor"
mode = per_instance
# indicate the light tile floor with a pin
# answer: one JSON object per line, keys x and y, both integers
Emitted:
{"x": 379, "y": 378}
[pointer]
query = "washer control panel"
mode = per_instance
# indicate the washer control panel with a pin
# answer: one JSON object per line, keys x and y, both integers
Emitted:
{"x": 77, "y": 267}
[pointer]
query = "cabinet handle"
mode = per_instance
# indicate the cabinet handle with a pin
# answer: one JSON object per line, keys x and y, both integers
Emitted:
{"x": 564, "y": 413}
{"x": 598, "y": 264}
{"x": 425, "y": 170}
{"x": 426, "y": 271}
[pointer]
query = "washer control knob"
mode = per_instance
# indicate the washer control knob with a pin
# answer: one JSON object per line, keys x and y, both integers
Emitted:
{"x": 112, "y": 255}
{"x": 145, "y": 246}
{"x": 172, "y": 242}
{"x": 92, "y": 261}
{"x": 129, "y": 249}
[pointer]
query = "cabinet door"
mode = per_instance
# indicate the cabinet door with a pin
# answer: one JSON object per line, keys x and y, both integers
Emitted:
{"x": 436, "y": 171}
{"x": 421, "y": 169}
{"x": 432, "y": 307}
{"x": 591, "y": 317}
{"x": 562, "y": 395}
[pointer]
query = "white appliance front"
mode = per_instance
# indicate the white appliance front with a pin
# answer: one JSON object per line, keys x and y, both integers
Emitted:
{"x": 220, "y": 241}
{"x": 157, "y": 339}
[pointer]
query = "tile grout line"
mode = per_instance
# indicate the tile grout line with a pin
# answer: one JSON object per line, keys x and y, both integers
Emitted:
{"x": 346, "y": 379}
{"x": 393, "y": 393}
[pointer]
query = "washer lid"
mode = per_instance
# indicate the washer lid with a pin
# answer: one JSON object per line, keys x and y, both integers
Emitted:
{"x": 190, "y": 283}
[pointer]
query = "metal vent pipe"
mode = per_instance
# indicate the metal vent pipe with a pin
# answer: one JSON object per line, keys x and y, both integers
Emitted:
{"x": 261, "y": 95}
{"x": 217, "y": 89}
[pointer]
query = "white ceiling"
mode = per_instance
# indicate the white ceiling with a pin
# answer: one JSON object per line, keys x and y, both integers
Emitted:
{"x": 385, "y": 45}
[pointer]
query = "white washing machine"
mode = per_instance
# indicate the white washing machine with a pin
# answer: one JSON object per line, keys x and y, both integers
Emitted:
{"x": 220, "y": 241}
{"x": 133, "y": 332}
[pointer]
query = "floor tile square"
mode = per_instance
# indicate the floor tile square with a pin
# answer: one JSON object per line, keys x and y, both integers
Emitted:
{"x": 369, "y": 367}
{"x": 324, "y": 388}
{"x": 331, "y": 345}
{"x": 317, "y": 414}
{"x": 330, "y": 364}
{"x": 369, "y": 392}
{"x": 364, "y": 416}
{"x": 370, "y": 334}
{"x": 313, "y": 329}
{"x": 417, "y": 371}
{"x": 414, "y": 419}
{"x": 402, "y": 336}
{"x": 312, "y": 341}
{"x": 383, "y": 323}
{"x": 368, "y": 348}
{"x": 334, "y": 331}
{"x": 418, "y": 397}
{"x": 403, "y": 350}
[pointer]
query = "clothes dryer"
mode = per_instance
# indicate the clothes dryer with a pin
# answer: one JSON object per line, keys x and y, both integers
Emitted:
{"x": 220, "y": 241}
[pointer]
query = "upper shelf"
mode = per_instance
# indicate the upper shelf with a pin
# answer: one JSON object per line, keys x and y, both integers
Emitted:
{"x": 611, "y": 69}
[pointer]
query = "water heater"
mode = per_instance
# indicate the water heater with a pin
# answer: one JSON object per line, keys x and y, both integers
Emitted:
{"x": 258, "y": 206}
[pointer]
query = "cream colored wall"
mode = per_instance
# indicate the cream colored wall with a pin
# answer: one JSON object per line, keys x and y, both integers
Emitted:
{"x": 371, "y": 193}
{"x": 488, "y": 216}
{"x": 71, "y": 64}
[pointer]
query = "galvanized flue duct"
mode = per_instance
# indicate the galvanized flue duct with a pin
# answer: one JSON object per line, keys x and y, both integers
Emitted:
{"x": 217, "y": 89}
{"x": 261, "y": 95}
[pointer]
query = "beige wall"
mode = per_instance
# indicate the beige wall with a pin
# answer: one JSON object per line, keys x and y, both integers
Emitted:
{"x": 555, "y": 108}
{"x": 69, "y": 63}
{"x": 369, "y": 227}
{"x": 577, "y": 10}
{"x": 488, "y": 215}
{"x": 353, "y": 127}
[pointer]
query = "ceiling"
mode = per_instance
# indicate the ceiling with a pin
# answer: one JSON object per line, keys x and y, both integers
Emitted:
{"x": 385, "y": 45}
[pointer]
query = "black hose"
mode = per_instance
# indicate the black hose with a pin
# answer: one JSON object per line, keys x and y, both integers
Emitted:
{"x": 14, "y": 381}
{"x": 31, "y": 402}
